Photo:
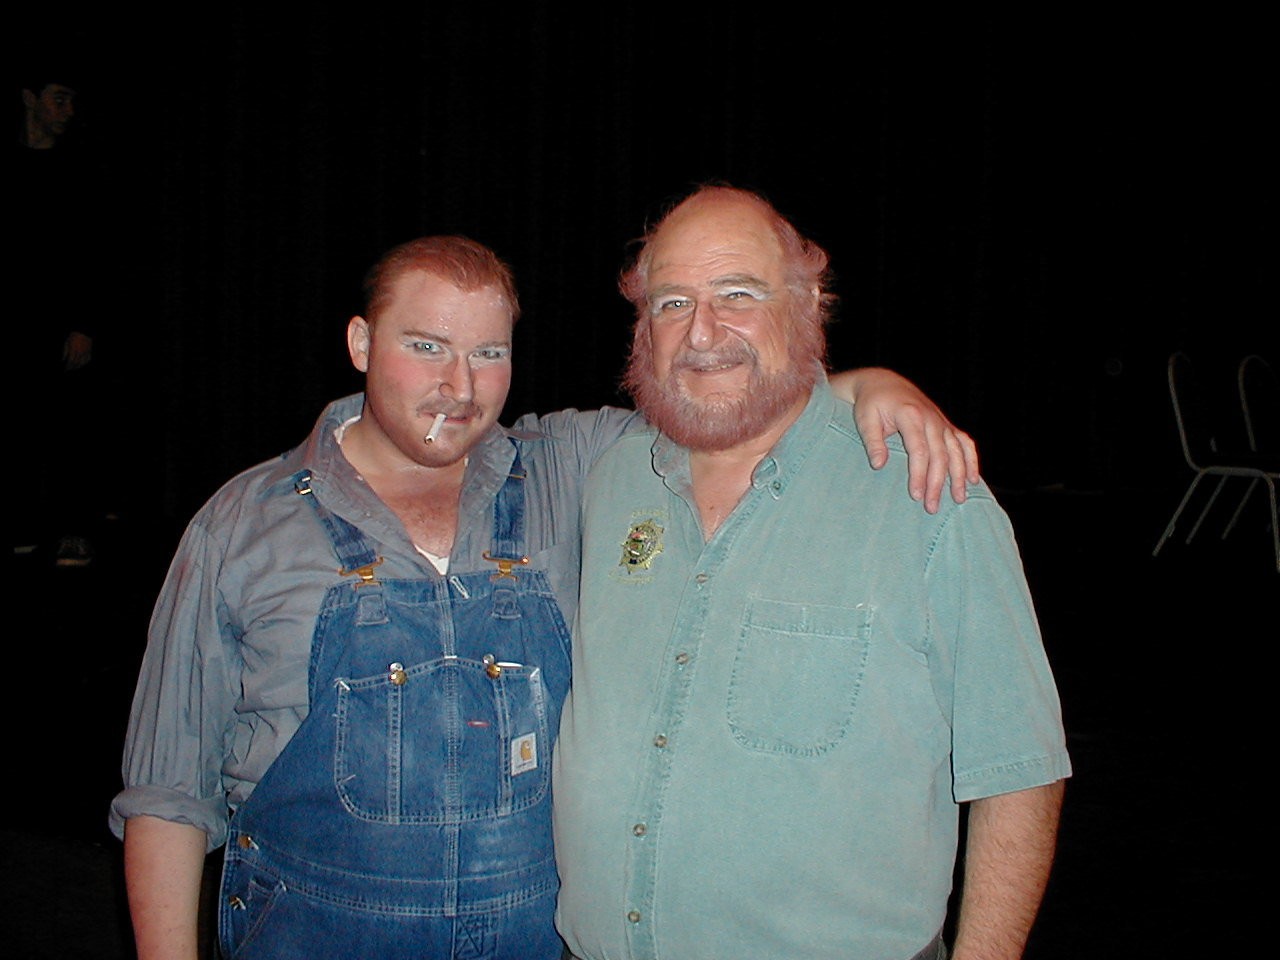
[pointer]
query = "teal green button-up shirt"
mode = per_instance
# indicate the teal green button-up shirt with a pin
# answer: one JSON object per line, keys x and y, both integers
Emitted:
{"x": 769, "y": 732}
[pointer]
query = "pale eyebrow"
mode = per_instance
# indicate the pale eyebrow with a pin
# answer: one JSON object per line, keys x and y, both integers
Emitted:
{"x": 750, "y": 281}
{"x": 666, "y": 290}
{"x": 742, "y": 280}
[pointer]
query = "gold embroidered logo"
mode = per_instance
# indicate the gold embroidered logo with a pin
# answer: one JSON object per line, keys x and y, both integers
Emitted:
{"x": 643, "y": 543}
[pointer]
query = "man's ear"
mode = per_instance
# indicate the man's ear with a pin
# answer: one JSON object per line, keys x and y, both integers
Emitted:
{"x": 29, "y": 99}
{"x": 359, "y": 337}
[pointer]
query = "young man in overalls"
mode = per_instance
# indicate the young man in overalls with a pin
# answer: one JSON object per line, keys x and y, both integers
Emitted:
{"x": 361, "y": 650}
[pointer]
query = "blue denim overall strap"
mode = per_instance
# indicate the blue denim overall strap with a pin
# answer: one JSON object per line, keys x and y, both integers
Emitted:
{"x": 409, "y": 816}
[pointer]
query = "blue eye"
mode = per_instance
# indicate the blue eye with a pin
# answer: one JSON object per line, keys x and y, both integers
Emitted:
{"x": 426, "y": 346}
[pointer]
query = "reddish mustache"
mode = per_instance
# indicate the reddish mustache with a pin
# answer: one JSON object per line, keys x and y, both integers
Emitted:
{"x": 730, "y": 353}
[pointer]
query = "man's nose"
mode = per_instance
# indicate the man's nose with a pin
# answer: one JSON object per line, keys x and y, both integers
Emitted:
{"x": 457, "y": 383}
{"x": 703, "y": 327}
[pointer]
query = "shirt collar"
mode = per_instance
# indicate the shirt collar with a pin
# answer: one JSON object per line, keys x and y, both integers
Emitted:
{"x": 321, "y": 456}
{"x": 776, "y": 468}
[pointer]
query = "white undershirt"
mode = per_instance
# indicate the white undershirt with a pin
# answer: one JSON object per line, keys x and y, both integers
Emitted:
{"x": 440, "y": 563}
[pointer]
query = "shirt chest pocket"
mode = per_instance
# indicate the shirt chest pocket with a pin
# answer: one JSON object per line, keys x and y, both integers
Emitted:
{"x": 797, "y": 672}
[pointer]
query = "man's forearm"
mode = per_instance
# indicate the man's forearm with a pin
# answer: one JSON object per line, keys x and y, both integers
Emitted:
{"x": 1007, "y": 858}
{"x": 163, "y": 866}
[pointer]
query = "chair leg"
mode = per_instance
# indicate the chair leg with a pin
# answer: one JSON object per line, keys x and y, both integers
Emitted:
{"x": 1275, "y": 528}
{"x": 1243, "y": 500}
{"x": 1207, "y": 507}
{"x": 1173, "y": 521}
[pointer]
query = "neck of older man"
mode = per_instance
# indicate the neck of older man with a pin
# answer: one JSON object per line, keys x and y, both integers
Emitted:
{"x": 721, "y": 477}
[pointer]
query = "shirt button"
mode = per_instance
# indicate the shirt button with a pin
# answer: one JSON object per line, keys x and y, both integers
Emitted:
{"x": 660, "y": 741}
{"x": 701, "y": 578}
{"x": 682, "y": 658}
{"x": 633, "y": 916}
{"x": 639, "y": 829}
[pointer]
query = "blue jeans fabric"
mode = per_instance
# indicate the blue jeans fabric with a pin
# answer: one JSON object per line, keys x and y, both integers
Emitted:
{"x": 410, "y": 816}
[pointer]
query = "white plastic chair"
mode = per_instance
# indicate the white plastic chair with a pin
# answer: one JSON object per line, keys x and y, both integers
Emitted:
{"x": 1200, "y": 447}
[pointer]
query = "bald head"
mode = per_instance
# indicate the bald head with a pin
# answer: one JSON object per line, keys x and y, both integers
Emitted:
{"x": 802, "y": 262}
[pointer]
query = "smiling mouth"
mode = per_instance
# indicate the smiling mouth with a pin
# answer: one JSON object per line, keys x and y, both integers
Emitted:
{"x": 729, "y": 356}
{"x": 710, "y": 366}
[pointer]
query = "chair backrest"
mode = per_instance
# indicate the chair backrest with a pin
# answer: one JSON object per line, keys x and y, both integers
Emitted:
{"x": 1260, "y": 403}
{"x": 1195, "y": 430}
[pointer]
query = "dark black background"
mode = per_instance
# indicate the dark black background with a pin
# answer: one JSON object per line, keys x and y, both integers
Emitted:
{"x": 1027, "y": 212}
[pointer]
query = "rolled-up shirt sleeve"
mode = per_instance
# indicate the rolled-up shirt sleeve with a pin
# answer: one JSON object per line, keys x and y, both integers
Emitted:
{"x": 183, "y": 708}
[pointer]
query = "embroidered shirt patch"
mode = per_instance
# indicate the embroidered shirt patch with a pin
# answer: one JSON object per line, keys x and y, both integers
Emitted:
{"x": 643, "y": 543}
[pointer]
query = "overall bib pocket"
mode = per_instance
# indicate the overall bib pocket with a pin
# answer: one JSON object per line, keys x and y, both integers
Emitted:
{"x": 446, "y": 741}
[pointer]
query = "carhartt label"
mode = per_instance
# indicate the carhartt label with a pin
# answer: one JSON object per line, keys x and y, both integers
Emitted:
{"x": 524, "y": 753}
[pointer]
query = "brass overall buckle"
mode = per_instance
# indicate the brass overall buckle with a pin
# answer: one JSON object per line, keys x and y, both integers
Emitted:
{"x": 505, "y": 564}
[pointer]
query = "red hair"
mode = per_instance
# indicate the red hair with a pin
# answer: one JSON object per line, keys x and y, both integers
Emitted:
{"x": 461, "y": 261}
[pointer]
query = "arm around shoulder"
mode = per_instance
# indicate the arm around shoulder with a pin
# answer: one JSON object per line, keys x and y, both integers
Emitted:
{"x": 584, "y": 434}
{"x": 885, "y": 403}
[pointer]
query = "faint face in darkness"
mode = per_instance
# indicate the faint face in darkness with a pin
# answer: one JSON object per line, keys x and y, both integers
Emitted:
{"x": 51, "y": 110}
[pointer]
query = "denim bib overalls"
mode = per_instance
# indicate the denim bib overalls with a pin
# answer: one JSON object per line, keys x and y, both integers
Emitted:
{"x": 410, "y": 815}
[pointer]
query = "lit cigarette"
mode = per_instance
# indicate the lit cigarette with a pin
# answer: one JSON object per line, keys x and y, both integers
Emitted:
{"x": 434, "y": 432}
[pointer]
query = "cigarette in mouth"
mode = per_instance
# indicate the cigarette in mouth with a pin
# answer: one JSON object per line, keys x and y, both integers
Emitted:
{"x": 434, "y": 432}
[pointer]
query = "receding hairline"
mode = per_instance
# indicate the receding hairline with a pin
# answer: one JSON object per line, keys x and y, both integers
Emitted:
{"x": 805, "y": 263}
{"x": 459, "y": 261}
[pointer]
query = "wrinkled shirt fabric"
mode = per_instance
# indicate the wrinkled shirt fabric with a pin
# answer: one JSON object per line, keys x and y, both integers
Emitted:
{"x": 770, "y": 731}
{"x": 223, "y": 682}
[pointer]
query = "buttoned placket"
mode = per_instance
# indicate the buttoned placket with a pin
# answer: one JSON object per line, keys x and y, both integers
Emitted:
{"x": 674, "y": 685}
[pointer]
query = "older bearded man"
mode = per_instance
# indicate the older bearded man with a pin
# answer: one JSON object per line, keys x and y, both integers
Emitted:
{"x": 780, "y": 697}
